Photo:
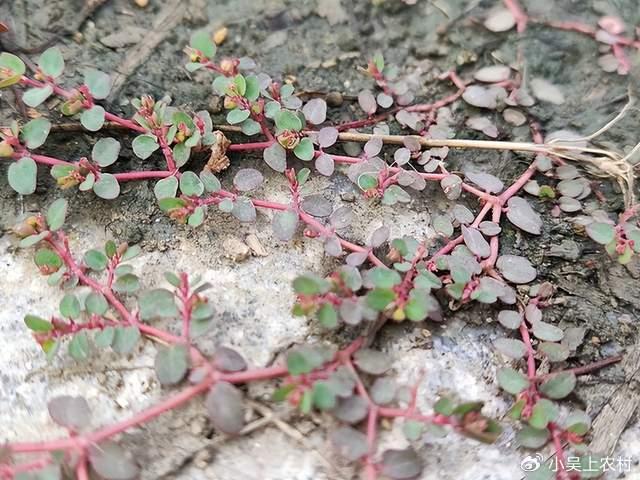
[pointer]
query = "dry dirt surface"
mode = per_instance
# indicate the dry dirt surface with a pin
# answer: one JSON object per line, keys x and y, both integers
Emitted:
{"x": 320, "y": 44}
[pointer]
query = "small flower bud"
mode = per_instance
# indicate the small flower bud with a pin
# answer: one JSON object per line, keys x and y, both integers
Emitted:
{"x": 399, "y": 315}
{"x": 229, "y": 103}
{"x": 6, "y": 150}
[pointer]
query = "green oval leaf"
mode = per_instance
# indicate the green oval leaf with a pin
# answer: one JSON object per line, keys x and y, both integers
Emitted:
{"x": 105, "y": 152}
{"x": 166, "y": 188}
{"x": 157, "y": 303}
{"x": 237, "y": 116}
{"x": 601, "y": 233}
{"x": 22, "y": 176}
{"x": 14, "y": 65}
{"x": 512, "y": 381}
{"x": 171, "y": 364}
{"x": 93, "y": 119}
{"x": 107, "y": 186}
{"x": 98, "y": 83}
{"x": 35, "y": 96}
{"x": 559, "y": 385}
{"x": 201, "y": 40}
{"x": 96, "y": 303}
{"x": 191, "y": 185}
{"x": 287, "y": 120}
{"x": 144, "y": 145}
{"x": 56, "y": 213}
{"x": 304, "y": 150}
{"x": 70, "y": 306}
{"x": 38, "y": 324}
{"x": 51, "y": 62}
{"x": 35, "y": 132}
{"x": 47, "y": 258}
{"x": 96, "y": 260}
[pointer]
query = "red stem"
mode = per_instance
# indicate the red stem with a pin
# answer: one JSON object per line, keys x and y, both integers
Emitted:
{"x": 238, "y": 147}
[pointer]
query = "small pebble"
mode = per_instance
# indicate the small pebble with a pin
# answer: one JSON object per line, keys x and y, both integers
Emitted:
{"x": 514, "y": 117}
{"x": 235, "y": 249}
{"x": 141, "y": 3}
{"x": 215, "y": 104}
{"x": 220, "y": 35}
{"x": 255, "y": 245}
{"x": 348, "y": 197}
{"x": 202, "y": 459}
{"x": 334, "y": 99}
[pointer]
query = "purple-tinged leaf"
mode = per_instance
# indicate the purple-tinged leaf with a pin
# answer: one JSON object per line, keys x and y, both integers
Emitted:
{"x": 520, "y": 213}
{"x": 412, "y": 142}
{"x": 247, "y": 179}
{"x": 489, "y": 229}
{"x": 533, "y": 313}
{"x": 356, "y": 258}
{"x": 462, "y": 214}
{"x": 488, "y": 290}
{"x": 569, "y": 205}
{"x": 349, "y": 443}
{"x": 332, "y": 246}
{"x": 516, "y": 269}
{"x": 384, "y": 100}
{"x": 351, "y": 312}
{"x": 112, "y": 462}
{"x": 70, "y": 412}
{"x": 510, "y": 319}
{"x": 171, "y": 364}
{"x": 315, "y": 111}
{"x": 317, "y": 205}
{"x": 244, "y": 210}
{"x": 451, "y": 186}
{"x": 401, "y": 464}
{"x": 276, "y": 157}
{"x": 227, "y": 359}
{"x": 379, "y": 236}
{"x": 402, "y": 156}
{"x": 367, "y": 102}
{"x": 225, "y": 406}
{"x": 484, "y": 125}
{"x": 327, "y": 136}
{"x": 572, "y": 187}
{"x": 485, "y": 181}
{"x": 372, "y": 361}
{"x": 325, "y": 165}
{"x": 341, "y": 217}
{"x": 476, "y": 242}
{"x": 566, "y": 172}
{"x": 352, "y": 409}
{"x": 493, "y": 74}
{"x": 373, "y": 147}
{"x": 342, "y": 382}
{"x": 409, "y": 119}
{"x": 511, "y": 347}
{"x": 383, "y": 390}
{"x": 285, "y": 224}
{"x": 514, "y": 117}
